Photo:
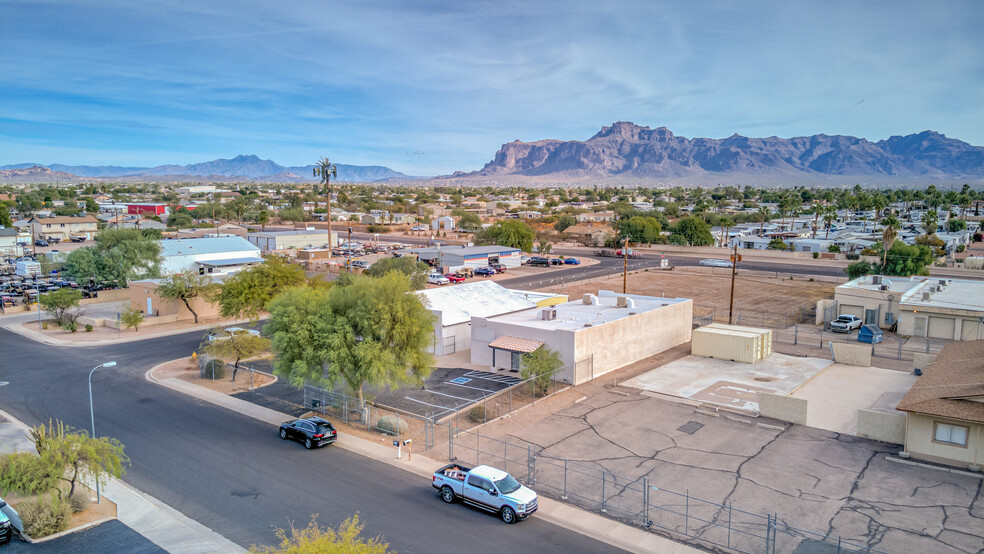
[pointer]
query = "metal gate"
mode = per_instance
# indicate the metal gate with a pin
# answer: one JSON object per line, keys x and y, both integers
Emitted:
{"x": 449, "y": 344}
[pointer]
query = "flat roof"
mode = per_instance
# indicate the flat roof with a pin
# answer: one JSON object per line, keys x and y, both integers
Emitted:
{"x": 955, "y": 294}
{"x": 289, "y": 233}
{"x": 231, "y": 262}
{"x": 210, "y": 245}
{"x": 576, "y": 315}
{"x": 466, "y": 250}
{"x": 459, "y": 303}
{"x": 895, "y": 284}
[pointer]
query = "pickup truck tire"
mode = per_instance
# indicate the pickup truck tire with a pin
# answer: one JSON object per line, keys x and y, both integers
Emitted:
{"x": 308, "y": 444}
{"x": 508, "y": 515}
{"x": 447, "y": 494}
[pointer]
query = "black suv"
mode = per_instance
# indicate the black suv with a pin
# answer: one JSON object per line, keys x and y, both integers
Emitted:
{"x": 538, "y": 261}
{"x": 312, "y": 431}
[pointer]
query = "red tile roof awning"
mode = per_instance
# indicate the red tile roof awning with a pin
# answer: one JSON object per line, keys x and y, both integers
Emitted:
{"x": 516, "y": 344}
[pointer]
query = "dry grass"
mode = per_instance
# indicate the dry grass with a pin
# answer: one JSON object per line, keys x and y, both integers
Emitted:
{"x": 94, "y": 512}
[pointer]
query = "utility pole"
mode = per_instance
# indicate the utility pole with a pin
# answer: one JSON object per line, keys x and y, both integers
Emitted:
{"x": 735, "y": 258}
{"x": 625, "y": 265}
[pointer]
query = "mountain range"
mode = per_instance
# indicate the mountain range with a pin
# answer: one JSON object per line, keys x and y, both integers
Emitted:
{"x": 626, "y": 150}
{"x": 241, "y": 167}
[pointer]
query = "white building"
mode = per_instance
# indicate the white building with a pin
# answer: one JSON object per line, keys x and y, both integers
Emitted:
{"x": 195, "y": 189}
{"x": 594, "y": 335}
{"x": 302, "y": 238}
{"x": 208, "y": 256}
{"x": 455, "y": 257}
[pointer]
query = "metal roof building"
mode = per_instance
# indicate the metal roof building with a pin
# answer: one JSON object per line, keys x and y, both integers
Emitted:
{"x": 455, "y": 257}
{"x": 301, "y": 238}
{"x": 204, "y": 255}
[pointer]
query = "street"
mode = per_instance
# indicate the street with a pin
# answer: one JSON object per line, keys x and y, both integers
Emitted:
{"x": 232, "y": 473}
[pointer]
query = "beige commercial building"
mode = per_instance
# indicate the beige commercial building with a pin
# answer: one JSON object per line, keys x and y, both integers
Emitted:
{"x": 945, "y": 408}
{"x": 63, "y": 227}
{"x": 951, "y": 309}
{"x": 144, "y": 298}
{"x": 594, "y": 335}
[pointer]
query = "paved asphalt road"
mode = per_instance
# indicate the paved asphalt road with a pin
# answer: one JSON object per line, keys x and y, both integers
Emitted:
{"x": 232, "y": 473}
{"x": 112, "y": 536}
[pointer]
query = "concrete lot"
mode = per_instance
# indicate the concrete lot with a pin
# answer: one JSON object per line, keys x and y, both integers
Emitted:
{"x": 816, "y": 480}
{"x": 727, "y": 383}
{"x": 836, "y": 394}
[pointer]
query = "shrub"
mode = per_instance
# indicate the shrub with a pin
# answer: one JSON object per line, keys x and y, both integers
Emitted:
{"x": 45, "y": 516}
{"x": 25, "y": 473}
{"x": 833, "y": 248}
{"x": 816, "y": 255}
{"x": 88, "y": 327}
{"x": 70, "y": 326}
{"x": 378, "y": 229}
{"x": 961, "y": 247}
{"x": 388, "y": 424}
{"x": 477, "y": 414}
{"x": 853, "y": 256}
{"x": 213, "y": 369}
{"x": 44, "y": 325}
{"x": 78, "y": 501}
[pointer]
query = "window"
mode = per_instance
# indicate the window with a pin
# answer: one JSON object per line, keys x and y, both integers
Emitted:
{"x": 950, "y": 434}
{"x": 475, "y": 481}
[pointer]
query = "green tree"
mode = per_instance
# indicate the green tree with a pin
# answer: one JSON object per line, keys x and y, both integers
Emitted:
{"x": 858, "y": 269}
{"x": 236, "y": 347}
{"x": 62, "y": 305}
{"x": 326, "y": 171}
{"x": 540, "y": 365}
{"x": 132, "y": 318}
{"x": 293, "y": 214}
{"x": 930, "y": 220}
{"x": 955, "y": 225}
{"x": 508, "y": 232}
{"x": 543, "y": 247}
{"x": 247, "y": 292}
{"x": 186, "y": 287}
{"x": 777, "y": 244}
{"x": 416, "y": 270}
{"x": 564, "y": 222}
{"x": 315, "y": 539}
{"x": 119, "y": 255}
{"x": 693, "y": 231}
{"x": 74, "y": 454}
{"x": 180, "y": 219}
{"x": 371, "y": 331}
{"x": 469, "y": 222}
{"x": 5, "y": 216}
{"x": 262, "y": 217}
{"x": 905, "y": 260}
{"x": 935, "y": 244}
{"x": 640, "y": 229}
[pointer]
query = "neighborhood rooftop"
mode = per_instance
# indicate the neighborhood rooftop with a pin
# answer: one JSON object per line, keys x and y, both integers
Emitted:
{"x": 576, "y": 314}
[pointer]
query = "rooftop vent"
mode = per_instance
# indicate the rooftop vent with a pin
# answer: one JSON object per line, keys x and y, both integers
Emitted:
{"x": 876, "y": 279}
{"x": 622, "y": 302}
{"x": 548, "y": 314}
{"x": 589, "y": 299}
{"x": 926, "y": 296}
{"x": 942, "y": 282}
{"x": 883, "y": 287}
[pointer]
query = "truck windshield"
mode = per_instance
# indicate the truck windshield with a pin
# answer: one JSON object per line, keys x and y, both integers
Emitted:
{"x": 507, "y": 484}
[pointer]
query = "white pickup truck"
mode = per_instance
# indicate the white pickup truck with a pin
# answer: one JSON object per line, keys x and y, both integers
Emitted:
{"x": 487, "y": 488}
{"x": 845, "y": 323}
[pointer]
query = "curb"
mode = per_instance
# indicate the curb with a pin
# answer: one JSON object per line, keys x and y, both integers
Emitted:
{"x": 17, "y": 327}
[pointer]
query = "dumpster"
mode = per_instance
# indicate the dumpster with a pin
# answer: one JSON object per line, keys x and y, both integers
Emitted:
{"x": 870, "y": 334}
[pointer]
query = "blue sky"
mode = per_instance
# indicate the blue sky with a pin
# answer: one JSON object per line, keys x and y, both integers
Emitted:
{"x": 429, "y": 87}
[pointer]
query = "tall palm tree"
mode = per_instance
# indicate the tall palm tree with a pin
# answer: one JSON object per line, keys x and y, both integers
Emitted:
{"x": 892, "y": 225}
{"x": 931, "y": 220}
{"x": 829, "y": 215}
{"x": 818, "y": 210}
{"x": 766, "y": 214}
{"x": 326, "y": 170}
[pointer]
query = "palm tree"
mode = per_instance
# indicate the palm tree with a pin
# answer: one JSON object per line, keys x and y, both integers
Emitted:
{"x": 818, "y": 210}
{"x": 931, "y": 220}
{"x": 829, "y": 215}
{"x": 892, "y": 225}
{"x": 326, "y": 170}
{"x": 725, "y": 224}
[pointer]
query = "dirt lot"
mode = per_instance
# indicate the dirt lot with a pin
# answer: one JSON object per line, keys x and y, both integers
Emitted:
{"x": 185, "y": 370}
{"x": 712, "y": 291}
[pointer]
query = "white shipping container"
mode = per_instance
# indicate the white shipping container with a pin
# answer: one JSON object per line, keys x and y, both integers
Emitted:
{"x": 765, "y": 335}
{"x": 730, "y": 344}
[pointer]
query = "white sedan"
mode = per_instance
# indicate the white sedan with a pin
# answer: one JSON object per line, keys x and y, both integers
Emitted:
{"x": 438, "y": 279}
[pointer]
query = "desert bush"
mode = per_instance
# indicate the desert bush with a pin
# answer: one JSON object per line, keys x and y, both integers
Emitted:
{"x": 70, "y": 326}
{"x": 213, "y": 369}
{"x": 477, "y": 414}
{"x": 816, "y": 255}
{"x": 388, "y": 424}
{"x": 853, "y": 256}
{"x": 25, "y": 473}
{"x": 78, "y": 501}
{"x": 88, "y": 327}
{"x": 44, "y": 325}
{"x": 45, "y": 516}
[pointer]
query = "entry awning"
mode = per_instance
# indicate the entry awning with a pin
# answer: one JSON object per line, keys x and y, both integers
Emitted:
{"x": 516, "y": 344}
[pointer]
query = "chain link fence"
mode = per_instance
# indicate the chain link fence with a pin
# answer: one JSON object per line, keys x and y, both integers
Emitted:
{"x": 644, "y": 502}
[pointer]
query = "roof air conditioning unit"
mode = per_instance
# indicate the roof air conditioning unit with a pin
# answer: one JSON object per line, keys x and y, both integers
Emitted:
{"x": 926, "y": 296}
{"x": 622, "y": 302}
{"x": 589, "y": 299}
{"x": 883, "y": 287}
{"x": 548, "y": 314}
{"x": 876, "y": 279}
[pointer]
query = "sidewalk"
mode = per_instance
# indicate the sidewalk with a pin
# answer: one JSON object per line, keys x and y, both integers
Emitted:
{"x": 626, "y": 537}
{"x": 158, "y": 522}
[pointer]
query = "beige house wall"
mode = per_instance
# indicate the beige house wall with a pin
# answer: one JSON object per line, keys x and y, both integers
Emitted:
{"x": 140, "y": 291}
{"x": 868, "y": 300}
{"x": 965, "y": 324}
{"x": 852, "y": 354}
{"x": 882, "y": 426}
{"x": 919, "y": 442}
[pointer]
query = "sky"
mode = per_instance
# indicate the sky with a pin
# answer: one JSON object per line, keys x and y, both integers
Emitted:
{"x": 429, "y": 87}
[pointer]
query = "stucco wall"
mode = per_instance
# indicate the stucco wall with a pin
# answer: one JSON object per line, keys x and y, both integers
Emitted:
{"x": 920, "y": 360}
{"x": 919, "y": 442}
{"x": 882, "y": 426}
{"x": 783, "y": 408}
{"x": 141, "y": 290}
{"x": 484, "y": 331}
{"x": 852, "y": 354}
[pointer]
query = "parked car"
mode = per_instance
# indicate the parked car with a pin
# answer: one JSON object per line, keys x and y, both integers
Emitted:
{"x": 418, "y": 228}
{"x": 78, "y": 239}
{"x": 845, "y": 323}
{"x": 454, "y": 278}
{"x": 6, "y": 525}
{"x": 486, "y": 488}
{"x": 572, "y": 261}
{"x": 499, "y": 268}
{"x": 556, "y": 261}
{"x": 313, "y": 431}
{"x": 40, "y": 242}
{"x": 438, "y": 279}
{"x": 361, "y": 263}
{"x": 229, "y": 332}
{"x": 524, "y": 259}
{"x": 715, "y": 263}
{"x": 539, "y": 261}
{"x": 485, "y": 271}
{"x": 465, "y": 272}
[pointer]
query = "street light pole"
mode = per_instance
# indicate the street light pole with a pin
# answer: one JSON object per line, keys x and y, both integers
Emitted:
{"x": 92, "y": 416}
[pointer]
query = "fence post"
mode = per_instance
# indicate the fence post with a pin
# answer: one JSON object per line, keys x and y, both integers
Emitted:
{"x": 645, "y": 501}
{"x": 731, "y": 505}
{"x": 821, "y": 338}
{"x": 564, "y": 497}
{"x": 450, "y": 442}
{"x": 686, "y": 516}
{"x": 603, "y": 510}
{"x": 478, "y": 447}
{"x": 796, "y": 334}
{"x": 368, "y": 412}
{"x": 927, "y": 344}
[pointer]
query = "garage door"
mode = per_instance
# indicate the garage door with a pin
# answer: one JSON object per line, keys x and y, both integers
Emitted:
{"x": 848, "y": 309}
{"x": 971, "y": 329}
{"x": 941, "y": 327}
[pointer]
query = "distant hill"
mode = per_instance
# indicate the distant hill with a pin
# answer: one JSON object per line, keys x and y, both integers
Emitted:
{"x": 241, "y": 167}
{"x": 628, "y": 150}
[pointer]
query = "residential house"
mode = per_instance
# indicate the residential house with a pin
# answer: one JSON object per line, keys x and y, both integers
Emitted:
{"x": 63, "y": 227}
{"x": 595, "y": 235}
{"x": 595, "y": 217}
